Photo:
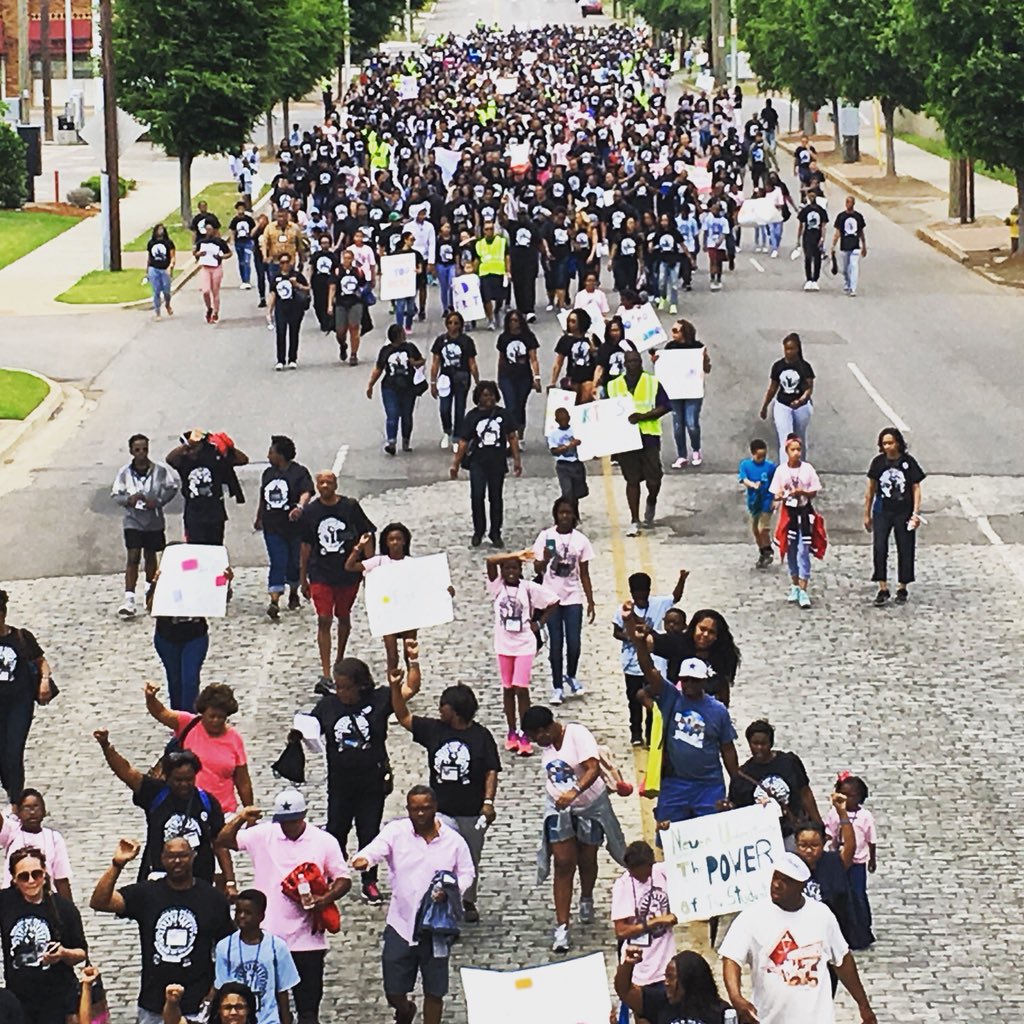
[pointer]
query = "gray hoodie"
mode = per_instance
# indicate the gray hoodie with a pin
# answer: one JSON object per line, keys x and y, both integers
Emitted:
{"x": 160, "y": 484}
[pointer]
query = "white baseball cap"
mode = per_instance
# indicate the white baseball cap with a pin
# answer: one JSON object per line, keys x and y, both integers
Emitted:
{"x": 289, "y": 805}
{"x": 694, "y": 668}
{"x": 790, "y": 865}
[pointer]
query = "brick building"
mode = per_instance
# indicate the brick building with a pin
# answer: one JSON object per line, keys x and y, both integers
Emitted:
{"x": 82, "y": 40}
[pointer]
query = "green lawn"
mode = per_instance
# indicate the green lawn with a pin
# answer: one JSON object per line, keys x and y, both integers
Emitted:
{"x": 221, "y": 195}
{"x": 21, "y": 232}
{"x": 106, "y": 286}
{"x": 938, "y": 147}
{"x": 20, "y": 393}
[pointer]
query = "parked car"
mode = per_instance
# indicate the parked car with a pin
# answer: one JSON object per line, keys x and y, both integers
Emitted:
{"x": 591, "y": 7}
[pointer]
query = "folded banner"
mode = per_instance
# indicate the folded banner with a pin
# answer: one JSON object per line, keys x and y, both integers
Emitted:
{"x": 192, "y": 582}
{"x": 410, "y": 593}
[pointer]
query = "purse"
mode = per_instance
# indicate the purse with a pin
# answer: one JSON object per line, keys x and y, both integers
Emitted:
{"x": 37, "y": 676}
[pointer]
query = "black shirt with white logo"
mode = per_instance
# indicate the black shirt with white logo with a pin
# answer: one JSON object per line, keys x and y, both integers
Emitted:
{"x": 792, "y": 379}
{"x": 895, "y": 481}
{"x": 355, "y": 736}
{"x": 458, "y": 761}
{"x": 160, "y": 251}
{"x": 487, "y": 434}
{"x": 455, "y": 354}
{"x": 280, "y": 490}
{"x": 332, "y": 531}
{"x": 19, "y": 649}
{"x": 849, "y": 224}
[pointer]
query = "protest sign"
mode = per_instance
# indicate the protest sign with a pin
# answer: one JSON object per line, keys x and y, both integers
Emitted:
{"x": 192, "y": 581}
{"x": 704, "y": 82}
{"x": 447, "y": 162}
{"x": 604, "y": 428}
{"x": 398, "y": 276}
{"x": 758, "y": 213}
{"x": 680, "y": 371}
{"x": 570, "y": 992}
{"x": 519, "y": 156}
{"x": 466, "y": 297}
{"x": 721, "y": 863}
{"x": 409, "y": 88}
{"x": 700, "y": 176}
{"x": 506, "y": 86}
{"x": 558, "y": 398}
{"x": 642, "y": 326}
{"x": 410, "y": 593}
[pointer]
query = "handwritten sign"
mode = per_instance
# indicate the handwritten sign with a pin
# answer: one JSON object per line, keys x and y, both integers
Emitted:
{"x": 680, "y": 371}
{"x": 570, "y": 992}
{"x": 466, "y": 298}
{"x": 410, "y": 593}
{"x": 398, "y": 276}
{"x": 558, "y": 398}
{"x": 409, "y": 88}
{"x": 604, "y": 428}
{"x": 192, "y": 581}
{"x": 721, "y": 863}
{"x": 643, "y": 327}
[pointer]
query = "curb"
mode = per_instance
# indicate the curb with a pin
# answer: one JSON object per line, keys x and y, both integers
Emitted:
{"x": 45, "y": 411}
{"x": 944, "y": 244}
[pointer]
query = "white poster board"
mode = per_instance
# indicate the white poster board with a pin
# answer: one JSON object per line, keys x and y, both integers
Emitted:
{"x": 603, "y": 428}
{"x": 700, "y": 176}
{"x": 447, "y": 162}
{"x": 643, "y": 327}
{"x": 558, "y": 398}
{"x": 680, "y": 371}
{"x": 721, "y": 863}
{"x": 192, "y": 581}
{"x": 567, "y": 992}
{"x": 519, "y": 155}
{"x": 398, "y": 276}
{"x": 704, "y": 82}
{"x": 506, "y": 86}
{"x": 408, "y": 88}
{"x": 411, "y": 593}
{"x": 758, "y": 212}
{"x": 466, "y": 297}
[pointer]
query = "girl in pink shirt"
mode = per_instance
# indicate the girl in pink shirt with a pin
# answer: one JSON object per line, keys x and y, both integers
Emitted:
{"x": 515, "y": 635}
{"x": 855, "y": 790}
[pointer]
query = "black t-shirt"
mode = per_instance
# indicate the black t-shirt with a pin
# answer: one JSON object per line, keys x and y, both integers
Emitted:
{"x": 830, "y": 884}
{"x": 487, "y": 434}
{"x": 280, "y": 490}
{"x": 202, "y": 484}
{"x": 348, "y": 287}
{"x": 455, "y": 354}
{"x": 355, "y": 735}
{"x": 198, "y": 819}
{"x": 611, "y": 357}
{"x": 630, "y": 244}
{"x": 523, "y": 243}
{"x": 160, "y": 250}
{"x": 332, "y": 531}
{"x": 580, "y": 357}
{"x": 212, "y": 249}
{"x": 792, "y": 379}
{"x": 658, "y": 1010}
{"x": 395, "y": 361}
{"x": 814, "y": 219}
{"x": 667, "y": 246}
{"x": 445, "y": 251}
{"x": 27, "y": 929}
{"x": 895, "y": 481}
{"x": 242, "y": 227}
{"x": 558, "y": 240}
{"x": 19, "y": 649}
{"x": 782, "y": 780}
{"x": 178, "y": 930}
{"x": 676, "y": 648}
{"x": 288, "y": 296}
{"x": 516, "y": 349}
{"x": 458, "y": 760}
{"x": 324, "y": 264}
{"x": 200, "y": 220}
{"x": 849, "y": 224}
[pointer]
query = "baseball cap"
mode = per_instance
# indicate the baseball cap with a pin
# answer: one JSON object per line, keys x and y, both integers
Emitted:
{"x": 394, "y": 215}
{"x": 694, "y": 668}
{"x": 790, "y": 865}
{"x": 289, "y": 805}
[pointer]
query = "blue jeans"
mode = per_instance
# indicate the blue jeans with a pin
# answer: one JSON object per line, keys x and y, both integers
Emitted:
{"x": 445, "y": 276}
{"x": 182, "y": 664}
{"x": 850, "y": 262}
{"x": 284, "y": 561}
{"x": 243, "y": 250}
{"x": 160, "y": 282}
{"x": 776, "y": 234}
{"x": 516, "y": 391}
{"x": 798, "y": 557}
{"x": 456, "y": 398}
{"x": 791, "y": 421}
{"x": 686, "y": 418}
{"x": 860, "y": 907}
{"x": 405, "y": 311}
{"x": 398, "y": 405}
{"x": 668, "y": 281}
{"x": 565, "y": 627}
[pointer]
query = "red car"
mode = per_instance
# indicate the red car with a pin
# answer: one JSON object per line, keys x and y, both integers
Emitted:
{"x": 591, "y": 7}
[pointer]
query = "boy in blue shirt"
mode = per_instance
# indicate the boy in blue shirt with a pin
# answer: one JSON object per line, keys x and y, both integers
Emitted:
{"x": 572, "y": 473}
{"x": 755, "y": 474}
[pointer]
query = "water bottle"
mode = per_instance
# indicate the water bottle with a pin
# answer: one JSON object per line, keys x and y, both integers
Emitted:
{"x": 305, "y": 893}
{"x": 730, "y": 1017}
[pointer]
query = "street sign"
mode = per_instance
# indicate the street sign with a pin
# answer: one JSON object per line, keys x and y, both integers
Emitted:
{"x": 128, "y": 131}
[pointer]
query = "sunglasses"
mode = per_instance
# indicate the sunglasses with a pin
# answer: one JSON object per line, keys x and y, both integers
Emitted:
{"x": 30, "y": 876}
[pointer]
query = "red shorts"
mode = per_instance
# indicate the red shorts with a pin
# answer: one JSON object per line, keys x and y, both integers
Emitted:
{"x": 333, "y": 599}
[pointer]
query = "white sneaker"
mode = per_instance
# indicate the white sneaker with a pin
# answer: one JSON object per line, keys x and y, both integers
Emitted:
{"x": 278, "y": 366}
{"x": 680, "y": 463}
{"x": 794, "y": 595}
{"x": 293, "y": 365}
{"x": 804, "y": 599}
{"x": 556, "y": 696}
{"x": 127, "y": 610}
{"x": 531, "y": 318}
{"x": 774, "y": 255}
{"x": 586, "y": 914}
{"x": 815, "y": 287}
{"x": 245, "y": 286}
{"x": 549, "y": 307}
{"x": 576, "y": 688}
{"x": 444, "y": 442}
{"x": 633, "y": 530}
{"x": 270, "y": 325}
{"x": 853, "y": 293}
{"x": 560, "y": 943}
{"x": 522, "y": 445}
{"x": 696, "y": 458}
{"x": 808, "y": 286}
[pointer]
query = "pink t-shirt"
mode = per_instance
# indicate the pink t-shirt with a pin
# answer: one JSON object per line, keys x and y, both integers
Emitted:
{"x": 863, "y": 822}
{"x": 13, "y": 837}
{"x": 369, "y": 564}
{"x": 513, "y": 607}
{"x": 635, "y": 902}
{"x": 219, "y": 756}
{"x": 562, "y": 765}
{"x": 802, "y": 478}
{"x": 563, "y": 573}
{"x": 274, "y": 857}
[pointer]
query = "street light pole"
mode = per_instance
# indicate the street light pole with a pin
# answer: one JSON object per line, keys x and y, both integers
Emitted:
{"x": 111, "y": 187}
{"x": 24, "y": 67}
{"x": 347, "y": 75}
{"x": 47, "y": 61}
{"x": 733, "y": 32}
{"x": 408, "y": 21}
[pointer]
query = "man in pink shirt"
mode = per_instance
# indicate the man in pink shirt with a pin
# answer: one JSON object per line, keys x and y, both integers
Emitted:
{"x": 415, "y": 849}
{"x": 276, "y": 848}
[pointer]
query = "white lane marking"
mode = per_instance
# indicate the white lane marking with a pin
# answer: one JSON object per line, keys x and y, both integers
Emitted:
{"x": 339, "y": 460}
{"x": 971, "y": 511}
{"x": 875, "y": 397}
{"x": 756, "y": 265}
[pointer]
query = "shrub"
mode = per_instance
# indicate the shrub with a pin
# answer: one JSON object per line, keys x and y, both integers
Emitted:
{"x": 13, "y": 190}
{"x": 124, "y": 185}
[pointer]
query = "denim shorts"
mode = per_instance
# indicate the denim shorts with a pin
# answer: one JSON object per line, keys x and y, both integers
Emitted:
{"x": 558, "y": 828}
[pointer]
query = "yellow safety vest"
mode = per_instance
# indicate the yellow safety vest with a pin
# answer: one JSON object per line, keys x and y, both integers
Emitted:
{"x": 644, "y": 398}
{"x": 492, "y": 255}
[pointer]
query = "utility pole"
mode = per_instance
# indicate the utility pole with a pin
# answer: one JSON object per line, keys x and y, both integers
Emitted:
{"x": 733, "y": 43}
{"x": 111, "y": 187}
{"x": 408, "y": 21}
{"x": 69, "y": 47}
{"x": 346, "y": 76}
{"x": 47, "y": 58}
{"x": 24, "y": 67}
{"x": 719, "y": 9}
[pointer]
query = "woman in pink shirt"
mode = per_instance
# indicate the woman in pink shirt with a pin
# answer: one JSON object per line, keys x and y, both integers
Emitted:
{"x": 219, "y": 747}
{"x": 515, "y": 635}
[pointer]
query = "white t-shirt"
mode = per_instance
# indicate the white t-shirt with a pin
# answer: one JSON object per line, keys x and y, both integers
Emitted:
{"x": 636, "y": 902}
{"x": 788, "y": 953}
{"x": 562, "y": 766}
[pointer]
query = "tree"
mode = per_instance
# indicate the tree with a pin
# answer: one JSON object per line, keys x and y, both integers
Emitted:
{"x": 372, "y": 21}
{"x": 13, "y": 189}
{"x": 195, "y": 72}
{"x": 975, "y": 78}
{"x": 680, "y": 17}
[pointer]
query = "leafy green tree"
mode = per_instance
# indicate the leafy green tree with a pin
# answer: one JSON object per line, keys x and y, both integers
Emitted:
{"x": 195, "y": 72}
{"x": 372, "y": 23}
{"x": 13, "y": 188}
{"x": 975, "y": 77}
{"x": 685, "y": 17}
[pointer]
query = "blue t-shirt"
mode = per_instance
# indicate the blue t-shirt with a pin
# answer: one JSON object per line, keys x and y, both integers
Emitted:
{"x": 557, "y": 438}
{"x": 654, "y": 616}
{"x": 267, "y": 969}
{"x": 760, "y": 473}
{"x": 694, "y": 733}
